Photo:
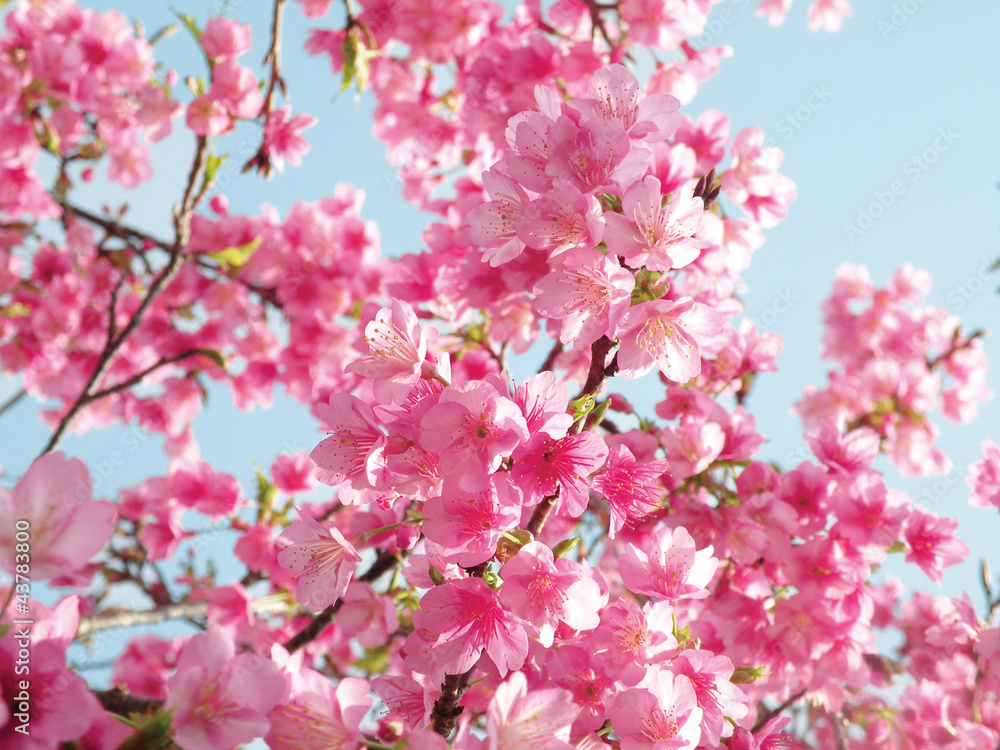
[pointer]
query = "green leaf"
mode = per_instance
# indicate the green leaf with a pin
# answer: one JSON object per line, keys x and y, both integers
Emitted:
{"x": 212, "y": 164}
{"x": 265, "y": 492}
{"x": 745, "y": 675}
{"x": 582, "y": 406}
{"x": 349, "y": 50}
{"x": 163, "y": 33}
{"x": 234, "y": 257}
{"x": 154, "y": 731}
{"x": 189, "y": 22}
{"x": 565, "y": 546}
{"x": 215, "y": 356}
{"x": 435, "y": 575}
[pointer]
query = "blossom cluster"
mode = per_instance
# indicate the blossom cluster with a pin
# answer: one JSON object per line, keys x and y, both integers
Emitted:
{"x": 505, "y": 561}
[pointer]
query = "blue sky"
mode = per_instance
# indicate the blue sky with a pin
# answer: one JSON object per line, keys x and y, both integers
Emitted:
{"x": 905, "y": 95}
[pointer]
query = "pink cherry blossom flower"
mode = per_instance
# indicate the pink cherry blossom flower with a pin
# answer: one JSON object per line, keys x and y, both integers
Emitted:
{"x": 320, "y": 715}
{"x": 667, "y": 334}
{"x": 590, "y": 293}
{"x": 630, "y": 487}
{"x": 615, "y": 94}
{"x": 472, "y": 428}
{"x": 220, "y": 698}
{"x": 457, "y": 623}
{"x": 366, "y": 615}
{"x": 292, "y": 473}
{"x": 522, "y": 719}
{"x": 629, "y": 638}
{"x": 146, "y": 665}
{"x": 847, "y": 454}
{"x": 468, "y": 525}
{"x": 596, "y": 156}
{"x": 528, "y": 136}
{"x": 649, "y": 234}
{"x": 65, "y": 525}
{"x": 224, "y": 37}
{"x": 208, "y": 116}
{"x": 984, "y": 477}
{"x": 544, "y": 464}
{"x": 717, "y": 696}
{"x": 492, "y": 225}
{"x": 544, "y": 591}
{"x": 660, "y": 716}
{"x": 671, "y": 568}
{"x": 691, "y": 448}
{"x": 203, "y": 489}
{"x": 60, "y": 705}
{"x": 544, "y": 400}
{"x": 560, "y": 219}
{"x": 931, "y": 542}
{"x": 828, "y": 15}
{"x": 322, "y": 560}
{"x": 236, "y": 88}
{"x": 398, "y": 349}
{"x": 356, "y": 451}
{"x": 283, "y": 139}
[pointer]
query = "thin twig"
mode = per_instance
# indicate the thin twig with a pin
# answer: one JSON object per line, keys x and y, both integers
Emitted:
{"x": 120, "y": 702}
{"x": 13, "y": 400}
{"x": 115, "y": 228}
{"x": 762, "y": 720}
{"x": 187, "y": 611}
{"x": 182, "y": 228}
{"x": 140, "y": 376}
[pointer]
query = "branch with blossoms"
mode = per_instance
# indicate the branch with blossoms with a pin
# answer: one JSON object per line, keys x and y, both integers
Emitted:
{"x": 538, "y": 574}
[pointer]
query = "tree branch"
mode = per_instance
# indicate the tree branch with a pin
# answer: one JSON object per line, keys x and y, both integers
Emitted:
{"x": 186, "y": 611}
{"x": 120, "y": 702}
{"x": 182, "y": 228}
{"x": 13, "y": 400}
{"x": 446, "y": 709}
{"x": 114, "y": 228}
{"x": 761, "y": 721}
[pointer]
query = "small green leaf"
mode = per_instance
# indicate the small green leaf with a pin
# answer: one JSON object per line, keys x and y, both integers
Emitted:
{"x": 435, "y": 575}
{"x": 265, "y": 492}
{"x": 212, "y": 164}
{"x": 897, "y": 546}
{"x": 189, "y": 22}
{"x": 582, "y": 406}
{"x": 565, "y": 546}
{"x": 746, "y": 675}
{"x": 349, "y": 50}
{"x": 163, "y": 33}
{"x": 215, "y": 356}
{"x": 234, "y": 257}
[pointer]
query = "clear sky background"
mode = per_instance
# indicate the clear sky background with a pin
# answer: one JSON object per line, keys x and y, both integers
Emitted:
{"x": 852, "y": 111}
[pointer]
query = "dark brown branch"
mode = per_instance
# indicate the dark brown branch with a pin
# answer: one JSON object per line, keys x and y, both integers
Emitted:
{"x": 140, "y": 376}
{"x": 550, "y": 360}
{"x": 115, "y": 228}
{"x": 182, "y": 228}
{"x": 762, "y": 720}
{"x": 446, "y": 709}
{"x": 120, "y": 702}
{"x": 13, "y": 400}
